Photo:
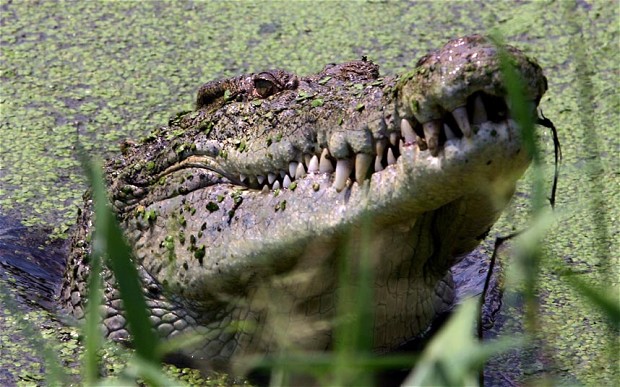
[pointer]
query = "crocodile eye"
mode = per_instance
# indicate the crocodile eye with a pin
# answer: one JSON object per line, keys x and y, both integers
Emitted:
{"x": 265, "y": 85}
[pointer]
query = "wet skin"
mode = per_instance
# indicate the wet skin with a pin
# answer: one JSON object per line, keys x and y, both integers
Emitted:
{"x": 240, "y": 209}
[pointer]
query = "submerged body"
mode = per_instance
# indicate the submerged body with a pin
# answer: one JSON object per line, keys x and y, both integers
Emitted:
{"x": 239, "y": 210}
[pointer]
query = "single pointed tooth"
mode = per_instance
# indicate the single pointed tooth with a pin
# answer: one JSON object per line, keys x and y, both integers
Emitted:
{"x": 416, "y": 153}
{"x": 325, "y": 165}
{"x": 378, "y": 164}
{"x": 480, "y": 113}
{"x": 362, "y": 163}
{"x": 421, "y": 143}
{"x": 292, "y": 167}
{"x": 407, "y": 131}
{"x": 307, "y": 158}
{"x": 390, "y": 157}
{"x": 431, "y": 134}
{"x": 286, "y": 181}
{"x": 271, "y": 177}
{"x": 394, "y": 137}
{"x": 313, "y": 164}
{"x": 449, "y": 133}
{"x": 260, "y": 179}
{"x": 300, "y": 171}
{"x": 460, "y": 115}
{"x": 343, "y": 170}
{"x": 380, "y": 146}
{"x": 242, "y": 177}
{"x": 265, "y": 188}
{"x": 276, "y": 185}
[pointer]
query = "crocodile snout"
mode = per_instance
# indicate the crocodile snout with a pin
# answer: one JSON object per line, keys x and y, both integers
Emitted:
{"x": 462, "y": 85}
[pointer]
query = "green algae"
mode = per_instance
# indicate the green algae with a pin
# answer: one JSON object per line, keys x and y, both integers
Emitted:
{"x": 69, "y": 70}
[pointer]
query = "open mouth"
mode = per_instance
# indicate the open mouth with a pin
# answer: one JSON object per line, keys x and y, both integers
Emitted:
{"x": 432, "y": 136}
{"x": 450, "y": 95}
{"x": 461, "y": 122}
{"x": 480, "y": 107}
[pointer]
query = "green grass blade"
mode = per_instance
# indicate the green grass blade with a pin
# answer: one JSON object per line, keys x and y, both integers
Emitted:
{"x": 353, "y": 332}
{"x": 92, "y": 334}
{"x": 109, "y": 238}
{"x": 453, "y": 357}
{"x": 149, "y": 372}
{"x": 529, "y": 262}
{"x": 608, "y": 304}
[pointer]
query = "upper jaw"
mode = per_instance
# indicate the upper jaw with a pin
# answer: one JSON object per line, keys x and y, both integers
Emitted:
{"x": 447, "y": 98}
{"x": 449, "y": 94}
{"x": 461, "y": 85}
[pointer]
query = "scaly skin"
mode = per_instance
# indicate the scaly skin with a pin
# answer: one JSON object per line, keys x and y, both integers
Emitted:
{"x": 221, "y": 234}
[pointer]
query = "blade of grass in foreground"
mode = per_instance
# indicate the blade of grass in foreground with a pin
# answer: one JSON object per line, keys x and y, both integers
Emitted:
{"x": 354, "y": 330}
{"x": 598, "y": 297}
{"x": 454, "y": 357}
{"x": 109, "y": 239}
{"x": 520, "y": 108}
{"x": 92, "y": 334}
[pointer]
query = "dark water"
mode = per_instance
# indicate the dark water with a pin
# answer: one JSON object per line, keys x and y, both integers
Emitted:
{"x": 31, "y": 262}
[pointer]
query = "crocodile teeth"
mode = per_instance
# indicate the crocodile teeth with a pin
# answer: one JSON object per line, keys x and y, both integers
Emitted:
{"x": 421, "y": 143}
{"x": 394, "y": 137}
{"x": 313, "y": 165}
{"x": 480, "y": 113}
{"x": 449, "y": 133}
{"x": 407, "y": 131}
{"x": 300, "y": 171}
{"x": 292, "y": 167}
{"x": 344, "y": 168}
{"x": 362, "y": 164}
{"x": 380, "y": 147}
{"x": 391, "y": 159}
{"x": 307, "y": 158}
{"x": 260, "y": 179}
{"x": 276, "y": 185}
{"x": 286, "y": 181}
{"x": 460, "y": 115}
{"x": 431, "y": 134}
{"x": 378, "y": 164}
{"x": 271, "y": 177}
{"x": 325, "y": 166}
{"x": 242, "y": 177}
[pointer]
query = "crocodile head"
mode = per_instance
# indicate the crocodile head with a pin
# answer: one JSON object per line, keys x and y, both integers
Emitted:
{"x": 238, "y": 211}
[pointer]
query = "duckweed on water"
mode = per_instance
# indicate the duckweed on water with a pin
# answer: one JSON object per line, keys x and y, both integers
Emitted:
{"x": 68, "y": 70}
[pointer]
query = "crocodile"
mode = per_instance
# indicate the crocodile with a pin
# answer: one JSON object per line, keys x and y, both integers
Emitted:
{"x": 240, "y": 212}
